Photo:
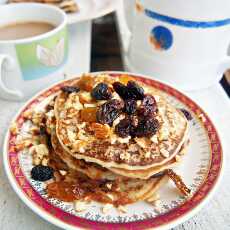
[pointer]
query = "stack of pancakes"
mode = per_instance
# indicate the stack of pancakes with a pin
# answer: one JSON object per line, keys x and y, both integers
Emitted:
{"x": 137, "y": 165}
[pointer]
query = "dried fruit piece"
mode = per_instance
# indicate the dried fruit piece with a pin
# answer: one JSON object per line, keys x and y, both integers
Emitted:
{"x": 124, "y": 78}
{"x": 70, "y": 89}
{"x": 125, "y": 127}
{"x": 85, "y": 97}
{"x": 187, "y": 114}
{"x": 130, "y": 106}
{"x": 100, "y": 131}
{"x": 121, "y": 90}
{"x": 131, "y": 91}
{"x": 101, "y": 92}
{"x": 146, "y": 127}
{"x": 86, "y": 83}
{"x": 136, "y": 91}
{"x": 148, "y": 106}
{"x": 41, "y": 173}
{"x": 109, "y": 111}
{"x": 88, "y": 114}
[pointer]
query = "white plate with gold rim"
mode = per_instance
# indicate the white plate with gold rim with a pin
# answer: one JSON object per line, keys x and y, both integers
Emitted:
{"x": 91, "y": 9}
{"x": 201, "y": 169}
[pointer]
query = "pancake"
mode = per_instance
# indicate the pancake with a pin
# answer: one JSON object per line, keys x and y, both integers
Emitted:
{"x": 77, "y": 138}
{"x": 95, "y": 171}
{"x": 92, "y": 170}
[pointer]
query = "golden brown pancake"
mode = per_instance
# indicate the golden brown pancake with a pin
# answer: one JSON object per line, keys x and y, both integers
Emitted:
{"x": 112, "y": 151}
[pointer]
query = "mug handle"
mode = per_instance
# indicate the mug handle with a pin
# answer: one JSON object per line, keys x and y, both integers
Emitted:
{"x": 224, "y": 65}
{"x": 125, "y": 28}
{"x": 7, "y": 63}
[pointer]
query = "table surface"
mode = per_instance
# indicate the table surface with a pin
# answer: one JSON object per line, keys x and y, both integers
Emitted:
{"x": 215, "y": 215}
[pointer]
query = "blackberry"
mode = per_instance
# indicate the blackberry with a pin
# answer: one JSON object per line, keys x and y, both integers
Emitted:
{"x": 41, "y": 173}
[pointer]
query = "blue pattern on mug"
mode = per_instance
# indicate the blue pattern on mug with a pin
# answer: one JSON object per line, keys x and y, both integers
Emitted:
{"x": 161, "y": 38}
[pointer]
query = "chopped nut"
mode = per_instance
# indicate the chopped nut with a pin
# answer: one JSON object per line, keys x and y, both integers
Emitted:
{"x": 178, "y": 158}
{"x": 164, "y": 153}
{"x": 109, "y": 185}
{"x": 62, "y": 172}
{"x": 157, "y": 98}
{"x": 125, "y": 156}
{"x": 163, "y": 133}
{"x": 154, "y": 139}
{"x": 37, "y": 118}
{"x": 110, "y": 196}
{"x": 38, "y": 153}
{"x": 202, "y": 117}
{"x": 122, "y": 209}
{"x": 79, "y": 206}
{"x": 71, "y": 135}
{"x": 153, "y": 198}
{"x": 45, "y": 161}
{"x": 156, "y": 203}
{"x": 141, "y": 141}
{"x": 14, "y": 128}
{"x": 79, "y": 146}
{"x": 90, "y": 105}
{"x": 27, "y": 114}
{"x": 148, "y": 154}
{"x": 106, "y": 208}
{"x": 41, "y": 150}
{"x": 85, "y": 97}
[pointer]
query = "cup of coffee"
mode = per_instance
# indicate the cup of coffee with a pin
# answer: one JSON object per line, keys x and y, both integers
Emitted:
{"x": 33, "y": 48}
{"x": 184, "y": 43}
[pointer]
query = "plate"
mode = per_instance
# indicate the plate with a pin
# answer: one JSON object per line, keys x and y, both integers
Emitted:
{"x": 91, "y": 9}
{"x": 201, "y": 170}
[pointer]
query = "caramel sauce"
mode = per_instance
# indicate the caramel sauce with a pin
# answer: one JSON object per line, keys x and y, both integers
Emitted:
{"x": 76, "y": 187}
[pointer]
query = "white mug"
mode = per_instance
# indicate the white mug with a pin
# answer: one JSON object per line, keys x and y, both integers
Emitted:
{"x": 30, "y": 64}
{"x": 184, "y": 43}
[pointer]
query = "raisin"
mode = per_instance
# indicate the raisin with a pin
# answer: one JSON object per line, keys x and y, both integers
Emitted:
{"x": 146, "y": 127}
{"x": 187, "y": 114}
{"x": 41, "y": 173}
{"x": 126, "y": 127}
{"x": 130, "y": 106}
{"x": 136, "y": 91}
{"x": 70, "y": 89}
{"x": 109, "y": 111}
{"x": 131, "y": 91}
{"x": 148, "y": 106}
{"x": 101, "y": 92}
{"x": 121, "y": 90}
